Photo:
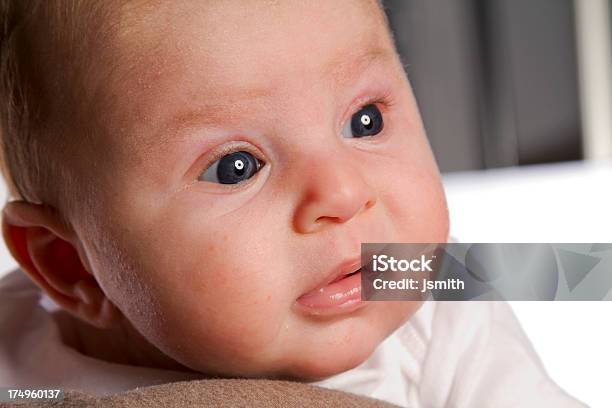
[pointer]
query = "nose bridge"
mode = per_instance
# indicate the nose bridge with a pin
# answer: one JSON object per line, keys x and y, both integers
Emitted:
{"x": 334, "y": 187}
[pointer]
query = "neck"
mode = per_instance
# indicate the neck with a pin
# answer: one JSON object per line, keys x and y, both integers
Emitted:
{"x": 121, "y": 345}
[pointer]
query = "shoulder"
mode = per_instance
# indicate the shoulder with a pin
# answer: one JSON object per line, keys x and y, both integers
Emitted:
{"x": 25, "y": 360}
{"x": 22, "y": 316}
{"x": 19, "y": 301}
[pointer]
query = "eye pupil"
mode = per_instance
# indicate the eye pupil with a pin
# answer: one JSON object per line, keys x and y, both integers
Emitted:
{"x": 232, "y": 168}
{"x": 365, "y": 120}
{"x": 368, "y": 121}
{"x": 236, "y": 167}
{"x": 239, "y": 165}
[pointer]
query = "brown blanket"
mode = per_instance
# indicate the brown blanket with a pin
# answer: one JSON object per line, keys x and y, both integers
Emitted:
{"x": 222, "y": 393}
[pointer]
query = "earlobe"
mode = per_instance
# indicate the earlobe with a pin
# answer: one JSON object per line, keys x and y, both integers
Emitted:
{"x": 45, "y": 249}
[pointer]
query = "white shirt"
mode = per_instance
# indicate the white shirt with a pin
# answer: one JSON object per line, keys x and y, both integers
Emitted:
{"x": 449, "y": 354}
{"x": 456, "y": 354}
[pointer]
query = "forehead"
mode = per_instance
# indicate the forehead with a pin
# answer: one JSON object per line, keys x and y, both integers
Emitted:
{"x": 169, "y": 54}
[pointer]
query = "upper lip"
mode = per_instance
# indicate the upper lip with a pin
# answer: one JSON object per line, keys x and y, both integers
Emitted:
{"x": 342, "y": 269}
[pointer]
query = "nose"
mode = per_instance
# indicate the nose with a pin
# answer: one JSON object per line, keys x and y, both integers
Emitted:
{"x": 335, "y": 191}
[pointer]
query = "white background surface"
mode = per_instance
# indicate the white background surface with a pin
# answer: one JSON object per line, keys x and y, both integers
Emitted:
{"x": 553, "y": 203}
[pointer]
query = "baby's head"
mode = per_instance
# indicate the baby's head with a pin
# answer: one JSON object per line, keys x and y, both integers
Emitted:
{"x": 197, "y": 170}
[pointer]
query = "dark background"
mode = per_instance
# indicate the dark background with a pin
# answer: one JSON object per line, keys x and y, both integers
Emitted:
{"x": 496, "y": 80}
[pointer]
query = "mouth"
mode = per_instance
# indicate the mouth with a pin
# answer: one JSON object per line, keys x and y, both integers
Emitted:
{"x": 349, "y": 275}
{"x": 340, "y": 293}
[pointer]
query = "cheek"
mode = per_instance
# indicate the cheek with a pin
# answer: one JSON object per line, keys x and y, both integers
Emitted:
{"x": 412, "y": 192}
{"x": 215, "y": 290}
{"x": 419, "y": 210}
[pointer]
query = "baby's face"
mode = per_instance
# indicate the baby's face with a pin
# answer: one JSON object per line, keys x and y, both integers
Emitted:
{"x": 209, "y": 252}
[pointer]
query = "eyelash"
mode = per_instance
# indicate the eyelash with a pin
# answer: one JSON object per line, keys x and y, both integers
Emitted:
{"x": 383, "y": 99}
{"x": 232, "y": 147}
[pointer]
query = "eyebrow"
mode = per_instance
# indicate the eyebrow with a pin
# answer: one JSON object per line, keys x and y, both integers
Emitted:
{"x": 340, "y": 71}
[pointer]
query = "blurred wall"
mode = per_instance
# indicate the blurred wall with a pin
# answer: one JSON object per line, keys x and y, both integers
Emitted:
{"x": 496, "y": 80}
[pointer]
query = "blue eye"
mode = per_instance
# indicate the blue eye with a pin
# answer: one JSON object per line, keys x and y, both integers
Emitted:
{"x": 232, "y": 168}
{"x": 367, "y": 121}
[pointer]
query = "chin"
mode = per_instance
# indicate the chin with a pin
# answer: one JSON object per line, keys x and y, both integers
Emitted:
{"x": 350, "y": 344}
{"x": 328, "y": 361}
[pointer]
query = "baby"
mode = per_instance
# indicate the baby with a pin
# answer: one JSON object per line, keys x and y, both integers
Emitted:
{"x": 191, "y": 182}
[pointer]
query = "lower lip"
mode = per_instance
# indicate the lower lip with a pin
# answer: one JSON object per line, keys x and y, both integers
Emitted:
{"x": 339, "y": 297}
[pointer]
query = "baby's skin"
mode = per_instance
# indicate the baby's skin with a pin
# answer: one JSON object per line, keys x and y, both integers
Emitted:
{"x": 238, "y": 154}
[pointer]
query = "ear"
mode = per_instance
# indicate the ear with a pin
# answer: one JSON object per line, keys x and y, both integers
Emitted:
{"x": 48, "y": 251}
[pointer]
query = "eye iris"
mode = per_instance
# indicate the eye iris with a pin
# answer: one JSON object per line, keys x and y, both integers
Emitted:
{"x": 236, "y": 167}
{"x": 367, "y": 121}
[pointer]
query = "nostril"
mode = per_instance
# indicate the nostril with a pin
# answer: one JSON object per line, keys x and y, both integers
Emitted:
{"x": 326, "y": 218}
